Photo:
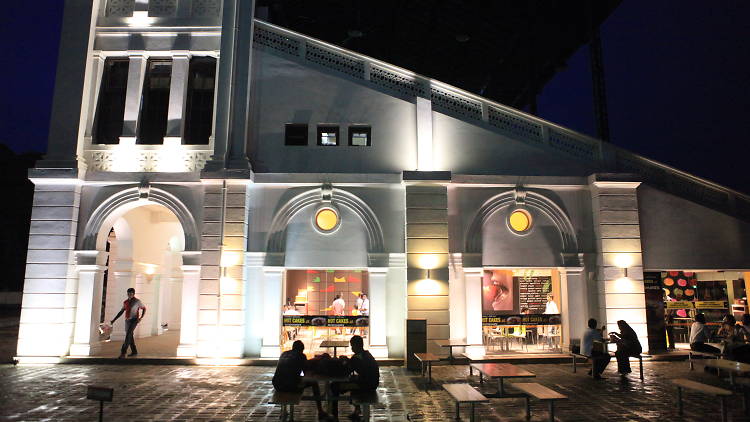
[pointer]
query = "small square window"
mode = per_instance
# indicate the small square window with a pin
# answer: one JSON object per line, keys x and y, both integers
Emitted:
{"x": 359, "y": 136}
{"x": 295, "y": 134}
{"x": 328, "y": 135}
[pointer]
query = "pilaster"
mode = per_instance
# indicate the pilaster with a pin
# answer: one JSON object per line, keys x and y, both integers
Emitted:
{"x": 272, "y": 301}
{"x": 191, "y": 280}
{"x": 378, "y": 306}
{"x": 136, "y": 70}
{"x": 427, "y": 259}
{"x": 620, "y": 262}
{"x": 177, "y": 97}
{"x": 90, "y": 268}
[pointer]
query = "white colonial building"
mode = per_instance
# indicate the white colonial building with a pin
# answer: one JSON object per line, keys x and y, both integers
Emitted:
{"x": 240, "y": 176}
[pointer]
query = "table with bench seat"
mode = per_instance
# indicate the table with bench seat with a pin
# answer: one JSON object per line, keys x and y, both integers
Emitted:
{"x": 427, "y": 359}
{"x": 733, "y": 367}
{"x": 450, "y": 344}
{"x": 464, "y": 393}
{"x": 693, "y": 353}
{"x": 500, "y": 371}
{"x": 710, "y": 390}
{"x": 540, "y": 392}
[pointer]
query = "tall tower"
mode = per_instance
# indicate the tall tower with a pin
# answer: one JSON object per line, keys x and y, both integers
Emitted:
{"x": 144, "y": 181}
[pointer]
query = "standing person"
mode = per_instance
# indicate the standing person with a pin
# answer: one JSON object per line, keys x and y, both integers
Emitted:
{"x": 131, "y": 306}
{"x": 599, "y": 356}
{"x": 669, "y": 326}
{"x": 367, "y": 375}
{"x": 359, "y": 301}
{"x": 699, "y": 336}
{"x": 551, "y": 307}
{"x": 288, "y": 378}
{"x": 364, "y": 308}
{"x": 338, "y": 305}
{"x": 627, "y": 346}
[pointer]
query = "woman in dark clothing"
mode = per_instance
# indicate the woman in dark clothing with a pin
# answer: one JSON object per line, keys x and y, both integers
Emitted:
{"x": 627, "y": 346}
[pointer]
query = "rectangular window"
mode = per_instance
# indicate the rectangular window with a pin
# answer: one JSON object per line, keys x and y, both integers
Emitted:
{"x": 110, "y": 109}
{"x": 199, "y": 113}
{"x": 359, "y": 136}
{"x": 155, "y": 102}
{"x": 328, "y": 135}
{"x": 295, "y": 134}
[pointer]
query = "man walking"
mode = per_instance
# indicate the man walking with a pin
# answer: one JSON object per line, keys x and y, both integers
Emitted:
{"x": 132, "y": 306}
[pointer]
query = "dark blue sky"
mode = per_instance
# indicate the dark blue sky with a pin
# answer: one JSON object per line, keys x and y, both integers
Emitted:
{"x": 676, "y": 72}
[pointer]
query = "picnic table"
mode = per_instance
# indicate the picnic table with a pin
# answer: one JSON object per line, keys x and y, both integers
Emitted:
{"x": 327, "y": 344}
{"x": 730, "y": 366}
{"x": 499, "y": 372}
{"x": 450, "y": 344}
{"x": 327, "y": 380}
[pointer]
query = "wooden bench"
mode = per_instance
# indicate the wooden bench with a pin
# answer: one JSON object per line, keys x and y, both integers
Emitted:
{"x": 585, "y": 358}
{"x": 427, "y": 358}
{"x": 640, "y": 362}
{"x": 464, "y": 393}
{"x": 701, "y": 388}
{"x": 540, "y": 392}
{"x": 365, "y": 399}
{"x": 693, "y": 353}
{"x": 744, "y": 384}
{"x": 285, "y": 399}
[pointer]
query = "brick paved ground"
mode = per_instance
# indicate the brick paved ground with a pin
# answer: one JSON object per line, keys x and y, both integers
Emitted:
{"x": 161, "y": 393}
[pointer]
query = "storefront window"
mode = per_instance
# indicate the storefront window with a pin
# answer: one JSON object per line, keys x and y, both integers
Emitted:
{"x": 712, "y": 293}
{"x": 325, "y": 305}
{"x": 521, "y": 311}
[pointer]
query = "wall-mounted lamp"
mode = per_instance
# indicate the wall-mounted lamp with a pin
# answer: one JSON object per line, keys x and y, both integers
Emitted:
{"x": 624, "y": 261}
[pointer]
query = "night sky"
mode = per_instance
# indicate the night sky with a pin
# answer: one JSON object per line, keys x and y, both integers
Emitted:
{"x": 676, "y": 72}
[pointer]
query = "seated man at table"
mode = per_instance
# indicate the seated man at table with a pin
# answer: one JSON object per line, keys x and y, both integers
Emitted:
{"x": 287, "y": 377}
{"x": 364, "y": 375}
{"x": 598, "y": 355}
{"x": 699, "y": 336}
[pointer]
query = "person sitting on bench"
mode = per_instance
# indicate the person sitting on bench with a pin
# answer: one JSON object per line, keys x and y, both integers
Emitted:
{"x": 627, "y": 345}
{"x": 367, "y": 375}
{"x": 699, "y": 336}
{"x": 287, "y": 377}
{"x": 592, "y": 345}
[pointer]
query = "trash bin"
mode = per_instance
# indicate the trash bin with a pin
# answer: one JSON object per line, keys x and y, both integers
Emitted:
{"x": 416, "y": 341}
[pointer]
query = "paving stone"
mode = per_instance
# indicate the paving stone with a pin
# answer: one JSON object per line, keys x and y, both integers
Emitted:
{"x": 195, "y": 393}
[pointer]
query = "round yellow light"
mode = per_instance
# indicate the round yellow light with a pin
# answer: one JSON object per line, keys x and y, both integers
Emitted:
{"x": 520, "y": 220}
{"x": 326, "y": 219}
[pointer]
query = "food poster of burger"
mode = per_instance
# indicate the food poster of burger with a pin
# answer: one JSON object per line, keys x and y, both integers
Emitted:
{"x": 679, "y": 286}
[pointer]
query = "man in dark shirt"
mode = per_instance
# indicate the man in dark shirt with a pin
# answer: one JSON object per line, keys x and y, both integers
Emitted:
{"x": 364, "y": 375}
{"x": 287, "y": 377}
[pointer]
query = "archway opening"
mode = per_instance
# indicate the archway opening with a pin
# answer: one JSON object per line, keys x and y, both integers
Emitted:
{"x": 145, "y": 243}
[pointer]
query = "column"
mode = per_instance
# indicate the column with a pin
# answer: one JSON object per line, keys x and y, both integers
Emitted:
{"x": 457, "y": 296}
{"x": 90, "y": 268}
{"x": 620, "y": 262}
{"x": 136, "y": 70}
{"x": 574, "y": 301}
{"x": 119, "y": 280}
{"x": 233, "y": 95}
{"x": 272, "y": 302}
{"x": 378, "y": 306}
{"x": 50, "y": 284}
{"x": 70, "y": 98}
{"x": 473, "y": 280}
{"x": 427, "y": 260}
{"x": 189, "y": 315}
{"x": 177, "y": 98}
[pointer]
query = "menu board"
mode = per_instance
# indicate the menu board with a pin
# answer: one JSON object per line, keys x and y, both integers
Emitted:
{"x": 324, "y": 321}
{"x": 532, "y": 292}
{"x": 538, "y": 319}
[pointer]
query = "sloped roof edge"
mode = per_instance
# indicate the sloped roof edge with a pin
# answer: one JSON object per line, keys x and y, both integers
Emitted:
{"x": 474, "y": 109}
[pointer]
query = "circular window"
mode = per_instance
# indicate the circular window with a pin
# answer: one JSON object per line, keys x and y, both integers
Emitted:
{"x": 519, "y": 221}
{"x": 326, "y": 219}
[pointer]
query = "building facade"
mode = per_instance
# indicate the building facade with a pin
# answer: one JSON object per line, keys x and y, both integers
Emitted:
{"x": 241, "y": 177}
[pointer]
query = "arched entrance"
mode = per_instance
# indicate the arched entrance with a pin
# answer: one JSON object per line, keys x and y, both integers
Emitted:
{"x": 138, "y": 238}
{"x": 145, "y": 245}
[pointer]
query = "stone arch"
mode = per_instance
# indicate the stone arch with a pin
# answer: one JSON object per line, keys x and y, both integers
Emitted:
{"x": 276, "y": 244}
{"x": 121, "y": 202}
{"x": 473, "y": 243}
